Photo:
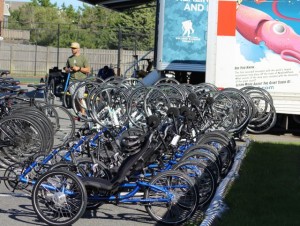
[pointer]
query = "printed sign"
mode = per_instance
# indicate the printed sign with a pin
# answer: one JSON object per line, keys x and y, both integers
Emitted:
{"x": 183, "y": 33}
{"x": 268, "y": 45}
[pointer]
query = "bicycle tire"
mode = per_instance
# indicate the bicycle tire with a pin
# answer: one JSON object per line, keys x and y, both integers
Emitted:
{"x": 224, "y": 151}
{"x": 187, "y": 204}
{"x": 202, "y": 175}
{"x": 51, "y": 210}
{"x": 62, "y": 122}
{"x": 37, "y": 134}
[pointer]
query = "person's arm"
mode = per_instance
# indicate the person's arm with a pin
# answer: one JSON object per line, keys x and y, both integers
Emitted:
{"x": 84, "y": 69}
{"x": 67, "y": 68}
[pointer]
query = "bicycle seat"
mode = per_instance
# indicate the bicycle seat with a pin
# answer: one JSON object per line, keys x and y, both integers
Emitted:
{"x": 37, "y": 86}
{"x": 193, "y": 98}
{"x": 124, "y": 170}
{"x": 132, "y": 140}
{"x": 9, "y": 81}
{"x": 98, "y": 183}
{"x": 7, "y": 96}
{"x": 184, "y": 111}
{"x": 9, "y": 87}
{"x": 173, "y": 111}
{"x": 152, "y": 121}
{"x": 130, "y": 165}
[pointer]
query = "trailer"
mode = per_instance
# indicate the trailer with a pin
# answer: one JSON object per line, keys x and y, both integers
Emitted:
{"x": 235, "y": 44}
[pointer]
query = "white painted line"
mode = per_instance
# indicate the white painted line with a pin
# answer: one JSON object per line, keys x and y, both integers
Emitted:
{"x": 13, "y": 195}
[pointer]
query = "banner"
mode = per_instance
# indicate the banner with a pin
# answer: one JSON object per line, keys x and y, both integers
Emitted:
{"x": 268, "y": 45}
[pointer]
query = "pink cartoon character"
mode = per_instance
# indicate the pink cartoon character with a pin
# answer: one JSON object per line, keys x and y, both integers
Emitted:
{"x": 257, "y": 26}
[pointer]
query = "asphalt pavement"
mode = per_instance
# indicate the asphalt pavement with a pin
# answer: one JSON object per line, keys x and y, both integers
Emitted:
{"x": 16, "y": 210}
{"x": 275, "y": 137}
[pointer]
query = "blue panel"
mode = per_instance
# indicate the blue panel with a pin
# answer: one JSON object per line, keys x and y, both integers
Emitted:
{"x": 185, "y": 28}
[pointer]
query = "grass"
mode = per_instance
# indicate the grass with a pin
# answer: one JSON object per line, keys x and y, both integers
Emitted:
{"x": 267, "y": 192}
{"x": 27, "y": 79}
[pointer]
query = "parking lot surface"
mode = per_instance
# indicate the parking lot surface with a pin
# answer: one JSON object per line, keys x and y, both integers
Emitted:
{"x": 275, "y": 137}
{"x": 16, "y": 210}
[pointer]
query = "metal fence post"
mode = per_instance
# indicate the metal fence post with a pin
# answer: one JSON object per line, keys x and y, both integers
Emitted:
{"x": 11, "y": 59}
{"x": 119, "y": 51}
{"x": 35, "y": 60}
{"x": 47, "y": 59}
{"x": 58, "y": 34}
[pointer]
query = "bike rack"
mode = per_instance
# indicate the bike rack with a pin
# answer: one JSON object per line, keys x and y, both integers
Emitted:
{"x": 217, "y": 205}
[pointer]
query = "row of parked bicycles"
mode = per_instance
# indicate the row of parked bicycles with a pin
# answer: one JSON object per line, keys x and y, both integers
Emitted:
{"x": 165, "y": 146}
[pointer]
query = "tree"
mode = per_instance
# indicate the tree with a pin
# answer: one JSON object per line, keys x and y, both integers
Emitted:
{"x": 43, "y": 3}
{"x": 92, "y": 26}
{"x": 138, "y": 25}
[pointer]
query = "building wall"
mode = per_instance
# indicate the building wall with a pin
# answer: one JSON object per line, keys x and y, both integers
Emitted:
{"x": 1, "y": 11}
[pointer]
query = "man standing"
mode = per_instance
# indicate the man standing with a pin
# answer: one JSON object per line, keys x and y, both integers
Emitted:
{"x": 78, "y": 67}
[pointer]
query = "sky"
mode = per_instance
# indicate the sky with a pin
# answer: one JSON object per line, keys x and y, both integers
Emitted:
{"x": 75, "y": 3}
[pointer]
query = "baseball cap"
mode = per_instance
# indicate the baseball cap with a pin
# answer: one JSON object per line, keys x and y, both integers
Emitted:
{"x": 75, "y": 45}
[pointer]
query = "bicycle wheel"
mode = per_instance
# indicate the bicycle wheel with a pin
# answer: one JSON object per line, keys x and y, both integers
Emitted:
{"x": 223, "y": 135}
{"x": 108, "y": 106}
{"x": 224, "y": 111}
{"x": 132, "y": 82}
{"x": 215, "y": 111}
{"x": 59, "y": 198}
{"x": 62, "y": 122}
{"x": 205, "y": 87}
{"x": 67, "y": 97}
{"x": 156, "y": 103}
{"x": 114, "y": 80}
{"x": 243, "y": 108}
{"x": 49, "y": 91}
{"x": 23, "y": 136}
{"x": 167, "y": 80}
{"x": 173, "y": 92}
{"x": 223, "y": 148}
{"x": 13, "y": 173}
{"x": 264, "y": 92}
{"x": 93, "y": 168}
{"x": 135, "y": 107}
{"x": 181, "y": 193}
{"x": 201, "y": 174}
{"x": 81, "y": 103}
{"x": 265, "y": 126}
{"x": 226, "y": 136}
{"x": 39, "y": 118}
{"x": 204, "y": 155}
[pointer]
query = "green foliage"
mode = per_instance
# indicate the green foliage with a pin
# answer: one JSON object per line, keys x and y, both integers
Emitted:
{"x": 92, "y": 26}
{"x": 43, "y": 3}
{"x": 138, "y": 26}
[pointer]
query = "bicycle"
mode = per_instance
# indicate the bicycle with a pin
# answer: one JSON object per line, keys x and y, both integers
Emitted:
{"x": 63, "y": 194}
